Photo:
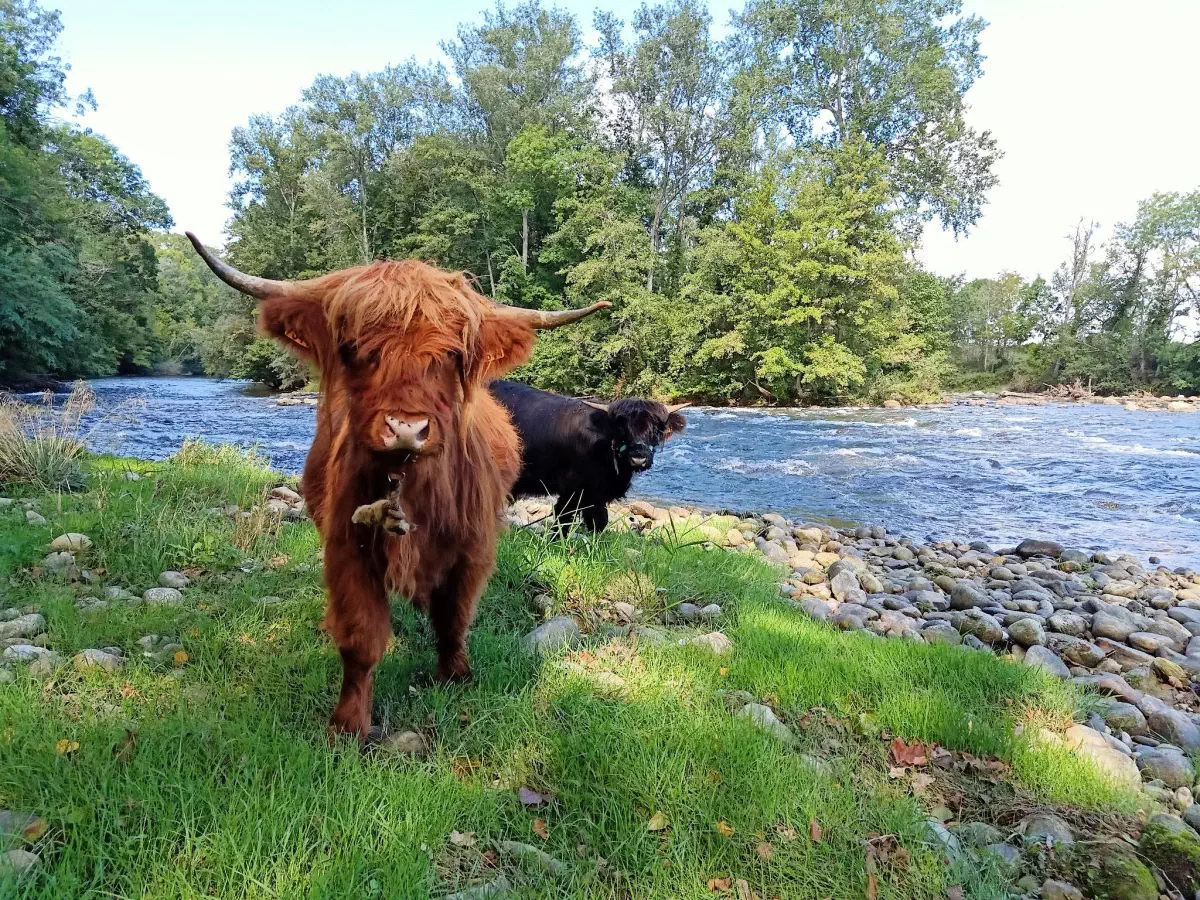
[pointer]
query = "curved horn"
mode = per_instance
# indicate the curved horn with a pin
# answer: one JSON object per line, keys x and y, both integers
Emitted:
{"x": 677, "y": 407}
{"x": 540, "y": 318}
{"x": 603, "y": 407}
{"x": 262, "y": 288}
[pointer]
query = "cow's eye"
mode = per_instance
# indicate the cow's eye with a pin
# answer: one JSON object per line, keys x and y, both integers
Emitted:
{"x": 353, "y": 356}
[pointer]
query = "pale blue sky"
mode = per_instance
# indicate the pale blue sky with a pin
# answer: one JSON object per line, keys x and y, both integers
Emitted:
{"x": 1094, "y": 101}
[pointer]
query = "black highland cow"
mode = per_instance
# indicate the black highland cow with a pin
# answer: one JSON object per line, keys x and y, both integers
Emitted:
{"x": 584, "y": 453}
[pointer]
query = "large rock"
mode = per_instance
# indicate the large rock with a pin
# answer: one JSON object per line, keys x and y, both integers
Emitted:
{"x": 71, "y": 541}
{"x": 561, "y": 632}
{"x": 966, "y": 595}
{"x": 1125, "y": 717}
{"x": 1173, "y": 724}
{"x": 981, "y": 625}
{"x": 1066, "y": 622}
{"x": 1125, "y": 657}
{"x": 714, "y": 641}
{"x": 1092, "y": 746}
{"x": 1122, "y": 876}
{"x": 941, "y": 633}
{"x": 1027, "y": 632}
{"x": 1042, "y": 828}
{"x": 163, "y": 596}
{"x": 765, "y": 720}
{"x": 1109, "y": 626}
{"x": 1043, "y": 658}
{"x": 23, "y": 626}
{"x": 1166, "y": 764}
{"x": 97, "y": 659}
{"x": 1032, "y": 547}
{"x": 1174, "y": 847}
{"x": 844, "y": 584}
{"x": 175, "y": 580}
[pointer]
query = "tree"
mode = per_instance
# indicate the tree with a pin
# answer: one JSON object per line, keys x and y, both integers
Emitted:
{"x": 668, "y": 87}
{"x": 892, "y": 73}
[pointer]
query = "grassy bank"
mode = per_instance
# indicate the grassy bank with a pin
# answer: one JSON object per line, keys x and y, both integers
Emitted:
{"x": 209, "y": 773}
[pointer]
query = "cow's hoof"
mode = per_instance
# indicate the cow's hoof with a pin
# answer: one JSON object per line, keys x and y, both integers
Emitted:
{"x": 453, "y": 671}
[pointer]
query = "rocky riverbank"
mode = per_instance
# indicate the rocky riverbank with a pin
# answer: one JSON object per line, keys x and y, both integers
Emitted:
{"x": 1127, "y": 630}
{"x": 1133, "y": 402}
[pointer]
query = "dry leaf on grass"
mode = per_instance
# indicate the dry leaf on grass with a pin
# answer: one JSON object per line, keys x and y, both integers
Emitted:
{"x": 786, "y": 833}
{"x": 462, "y": 839}
{"x": 65, "y": 747}
{"x": 724, "y": 829}
{"x": 540, "y": 829}
{"x": 765, "y": 851}
{"x": 491, "y": 859}
{"x": 720, "y": 885}
{"x": 905, "y": 754}
{"x": 920, "y": 782}
{"x": 658, "y": 821}
{"x": 815, "y": 832}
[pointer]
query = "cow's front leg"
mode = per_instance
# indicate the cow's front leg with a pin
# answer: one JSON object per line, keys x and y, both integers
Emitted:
{"x": 451, "y": 611}
{"x": 359, "y": 622}
{"x": 566, "y": 512}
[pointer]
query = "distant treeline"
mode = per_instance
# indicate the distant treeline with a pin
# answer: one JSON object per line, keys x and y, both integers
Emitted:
{"x": 749, "y": 205}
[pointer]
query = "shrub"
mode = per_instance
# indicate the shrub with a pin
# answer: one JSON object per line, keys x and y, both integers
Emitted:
{"x": 40, "y": 444}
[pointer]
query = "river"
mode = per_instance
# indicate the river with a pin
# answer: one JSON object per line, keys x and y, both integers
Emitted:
{"x": 1089, "y": 476}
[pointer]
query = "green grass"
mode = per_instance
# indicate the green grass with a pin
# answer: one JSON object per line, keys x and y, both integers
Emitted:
{"x": 218, "y": 779}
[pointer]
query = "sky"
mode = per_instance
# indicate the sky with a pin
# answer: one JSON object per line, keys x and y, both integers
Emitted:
{"x": 1095, "y": 103}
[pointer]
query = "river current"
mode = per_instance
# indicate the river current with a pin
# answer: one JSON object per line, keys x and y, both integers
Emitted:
{"x": 1088, "y": 476}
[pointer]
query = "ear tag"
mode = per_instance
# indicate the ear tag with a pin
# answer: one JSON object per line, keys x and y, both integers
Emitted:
{"x": 295, "y": 339}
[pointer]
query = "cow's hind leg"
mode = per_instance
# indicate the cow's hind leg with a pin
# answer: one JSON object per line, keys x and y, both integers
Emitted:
{"x": 595, "y": 513}
{"x": 451, "y": 611}
{"x": 359, "y": 622}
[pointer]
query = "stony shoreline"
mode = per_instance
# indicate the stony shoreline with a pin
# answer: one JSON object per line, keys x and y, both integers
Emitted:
{"x": 1125, "y": 630}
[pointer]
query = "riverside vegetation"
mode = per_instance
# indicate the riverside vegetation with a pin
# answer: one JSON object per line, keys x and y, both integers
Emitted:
{"x": 688, "y": 705}
{"x": 747, "y": 203}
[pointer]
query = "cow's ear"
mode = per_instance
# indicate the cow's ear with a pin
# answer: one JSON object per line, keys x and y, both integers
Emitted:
{"x": 504, "y": 344}
{"x": 299, "y": 324}
{"x": 675, "y": 424}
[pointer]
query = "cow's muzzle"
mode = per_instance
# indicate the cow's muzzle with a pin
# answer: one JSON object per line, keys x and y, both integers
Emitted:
{"x": 405, "y": 434}
{"x": 640, "y": 456}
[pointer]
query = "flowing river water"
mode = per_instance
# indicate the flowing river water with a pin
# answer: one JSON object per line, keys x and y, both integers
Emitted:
{"x": 1088, "y": 476}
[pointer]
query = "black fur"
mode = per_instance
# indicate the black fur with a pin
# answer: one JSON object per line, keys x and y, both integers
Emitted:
{"x": 585, "y": 456}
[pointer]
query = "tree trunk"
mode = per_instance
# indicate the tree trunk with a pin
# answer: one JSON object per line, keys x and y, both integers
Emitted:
{"x": 655, "y": 225}
{"x": 525, "y": 240}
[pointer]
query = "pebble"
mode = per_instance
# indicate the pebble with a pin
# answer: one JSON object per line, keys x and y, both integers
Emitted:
{"x": 1043, "y": 827}
{"x": 408, "y": 743}
{"x": 33, "y": 517}
{"x": 18, "y": 861}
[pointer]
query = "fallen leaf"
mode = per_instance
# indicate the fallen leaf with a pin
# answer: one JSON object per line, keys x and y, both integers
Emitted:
{"x": 464, "y": 766}
{"x": 905, "y": 754}
{"x": 277, "y": 562}
{"x": 714, "y": 776}
{"x": 34, "y": 828}
{"x": 724, "y": 829}
{"x": 895, "y": 772}
{"x": 786, "y": 833}
{"x": 720, "y": 885}
{"x": 658, "y": 821}
{"x": 65, "y": 747}
{"x": 941, "y": 757}
{"x": 530, "y": 798}
{"x": 815, "y": 831}
{"x": 540, "y": 829}
{"x": 462, "y": 839}
{"x": 490, "y": 858}
{"x": 724, "y": 670}
{"x": 765, "y": 851}
{"x": 128, "y": 690}
{"x": 920, "y": 782}
{"x": 181, "y": 657}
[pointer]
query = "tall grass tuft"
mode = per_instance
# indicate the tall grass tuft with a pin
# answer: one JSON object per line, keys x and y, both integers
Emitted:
{"x": 40, "y": 443}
